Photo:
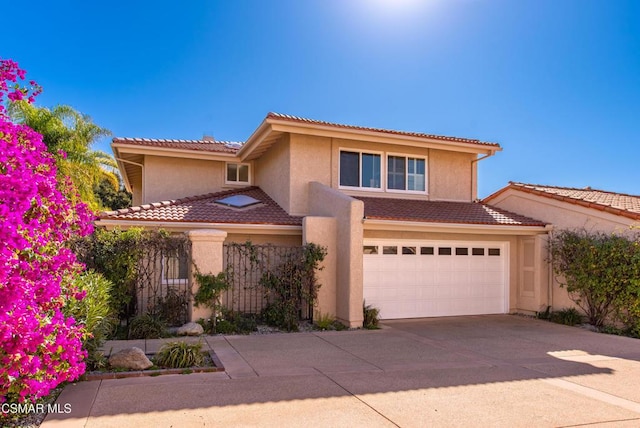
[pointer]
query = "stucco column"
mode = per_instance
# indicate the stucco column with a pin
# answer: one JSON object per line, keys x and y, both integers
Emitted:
{"x": 322, "y": 231}
{"x": 207, "y": 254}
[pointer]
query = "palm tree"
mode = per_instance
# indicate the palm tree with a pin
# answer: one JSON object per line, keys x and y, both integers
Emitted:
{"x": 69, "y": 135}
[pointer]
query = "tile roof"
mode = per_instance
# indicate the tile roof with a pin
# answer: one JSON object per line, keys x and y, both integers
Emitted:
{"x": 203, "y": 209}
{"x": 616, "y": 203}
{"x": 442, "y": 212}
{"x": 204, "y": 145}
{"x": 298, "y": 119}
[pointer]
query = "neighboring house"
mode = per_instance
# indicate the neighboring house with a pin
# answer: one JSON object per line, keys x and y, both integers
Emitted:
{"x": 569, "y": 208}
{"x": 398, "y": 212}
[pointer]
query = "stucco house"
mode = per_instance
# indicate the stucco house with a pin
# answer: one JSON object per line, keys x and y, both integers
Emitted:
{"x": 398, "y": 212}
{"x": 573, "y": 209}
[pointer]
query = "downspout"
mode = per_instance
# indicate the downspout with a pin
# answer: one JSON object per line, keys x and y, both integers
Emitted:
{"x": 475, "y": 196}
{"x": 550, "y": 269}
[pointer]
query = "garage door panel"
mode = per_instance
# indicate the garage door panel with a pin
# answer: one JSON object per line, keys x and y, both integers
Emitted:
{"x": 448, "y": 278}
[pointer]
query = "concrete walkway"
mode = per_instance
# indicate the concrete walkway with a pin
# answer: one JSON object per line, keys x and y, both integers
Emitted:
{"x": 464, "y": 371}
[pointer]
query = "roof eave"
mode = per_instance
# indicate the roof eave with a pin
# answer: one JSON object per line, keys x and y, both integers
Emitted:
{"x": 272, "y": 125}
{"x": 260, "y": 229}
{"x": 471, "y": 228}
{"x": 174, "y": 152}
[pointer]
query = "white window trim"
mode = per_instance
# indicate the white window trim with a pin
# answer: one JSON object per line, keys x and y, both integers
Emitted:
{"x": 170, "y": 281}
{"x": 406, "y": 171}
{"x": 383, "y": 170}
{"x": 249, "y": 175}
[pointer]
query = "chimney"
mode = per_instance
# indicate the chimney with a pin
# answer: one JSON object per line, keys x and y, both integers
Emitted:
{"x": 208, "y": 138}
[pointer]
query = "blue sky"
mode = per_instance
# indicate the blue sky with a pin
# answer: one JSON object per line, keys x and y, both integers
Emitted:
{"x": 555, "y": 82}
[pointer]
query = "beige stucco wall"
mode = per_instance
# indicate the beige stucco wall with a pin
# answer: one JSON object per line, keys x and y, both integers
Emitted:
{"x": 323, "y": 231}
{"x": 284, "y": 240}
{"x": 348, "y": 212}
{"x": 561, "y": 215}
{"x": 310, "y": 161}
{"x": 450, "y": 176}
{"x": 168, "y": 178}
{"x": 271, "y": 172}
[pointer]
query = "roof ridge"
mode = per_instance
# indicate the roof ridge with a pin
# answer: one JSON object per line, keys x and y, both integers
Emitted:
{"x": 276, "y": 115}
{"x": 588, "y": 189}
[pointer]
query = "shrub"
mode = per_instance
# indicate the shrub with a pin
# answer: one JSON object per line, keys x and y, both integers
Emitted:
{"x": 567, "y": 316}
{"x": 179, "y": 355}
{"x": 129, "y": 259}
{"x": 147, "y": 326}
{"x": 601, "y": 273}
{"x": 290, "y": 284}
{"x": 40, "y": 347}
{"x": 370, "y": 315}
{"x": 173, "y": 307}
{"x": 544, "y": 315}
{"x": 210, "y": 288}
{"x": 94, "y": 311}
{"x": 328, "y": 322}
{"x": 324, "y": 322}
{"x": 281, "y": 314}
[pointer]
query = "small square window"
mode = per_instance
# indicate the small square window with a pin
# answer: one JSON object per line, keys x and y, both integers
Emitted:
{"x": 426, "y": 251}
{"x": 238, "y": 173}
{"x": 462, "y": 251}
{"x": 477, "y": 252}
{"x": 408, "y": 250}
{"x": 370, "y": 249}
{"x": 444, "y": 251}
{"x": 494, "y": 251}
{"x": 389, "y": 250}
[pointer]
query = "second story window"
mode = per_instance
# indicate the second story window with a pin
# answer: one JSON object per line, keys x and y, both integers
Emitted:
{"x": 360, "y": 169}
{"x": 405, "y": 173}
{"x": 237, "y": 173}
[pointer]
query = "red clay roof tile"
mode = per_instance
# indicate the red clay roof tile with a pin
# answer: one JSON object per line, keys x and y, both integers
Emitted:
{"x": 616, "y": 203}
{"x": 204, "y": 209}
{"x": 386, "y": 131}
{"x": 442, "y": 212}
{"x": 197, "y": 145}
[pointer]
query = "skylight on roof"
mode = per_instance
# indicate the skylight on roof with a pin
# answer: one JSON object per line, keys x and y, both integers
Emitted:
{"x": 238, "y": 201}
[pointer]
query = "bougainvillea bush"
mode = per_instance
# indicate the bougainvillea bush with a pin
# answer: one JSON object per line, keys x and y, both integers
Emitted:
{"x": 39, "y": 346}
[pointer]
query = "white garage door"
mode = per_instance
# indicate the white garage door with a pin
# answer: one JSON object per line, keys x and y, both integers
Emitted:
{"x": 413, "y": 279}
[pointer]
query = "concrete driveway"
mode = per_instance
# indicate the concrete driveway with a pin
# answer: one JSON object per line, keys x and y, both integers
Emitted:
{"x": 463, "y": 371}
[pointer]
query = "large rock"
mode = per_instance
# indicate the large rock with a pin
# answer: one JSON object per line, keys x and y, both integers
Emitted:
{"x": 130, "y": 358}
{"x": 190, "y": 329}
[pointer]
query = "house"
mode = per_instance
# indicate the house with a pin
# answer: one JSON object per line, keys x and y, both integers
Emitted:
{"x": 569, "y": 208}
{"x": 398, "y": 212}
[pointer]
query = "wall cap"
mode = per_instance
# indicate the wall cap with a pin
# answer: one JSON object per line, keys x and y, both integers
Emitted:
{"x": 206, "y": 235}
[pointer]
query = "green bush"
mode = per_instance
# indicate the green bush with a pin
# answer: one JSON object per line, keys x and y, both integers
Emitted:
{"x": 281, "y": 314}
{"x": 291, "y": 284}
{"x": 179, "y": 355}
{"x": 601, "y": 273}
{"x": 567, "y": 316}
{"x": 173, "y": 307}
{"x": 328, "y": 322}
{"x": 95, "y": 312}
{"x": 370, "y": 315}
{"x": 324, "y": 322}
{"x": 147, "y": 326}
